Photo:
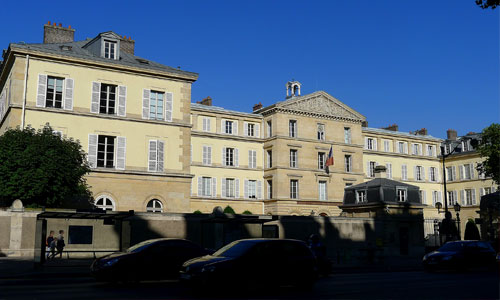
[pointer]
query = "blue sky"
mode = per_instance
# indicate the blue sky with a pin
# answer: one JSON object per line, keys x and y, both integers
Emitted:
{"x": 432, "y": 64}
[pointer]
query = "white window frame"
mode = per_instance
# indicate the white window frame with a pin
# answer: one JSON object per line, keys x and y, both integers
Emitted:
{"x": 252, "y": 189}
{"x": 348, "y": 163}
{"x": 292, "y": 128}
{"x": 156, "y": 206}
{"x": 432, "y": 174}
{"x": 370, "y": 143}
{"x": 401, "y": 194}
{"x": 322, "y": 191}
{"x": 229, "y": 127}
{"x": 361, "y": 196}
{"x": 106, "y": 153}
{"x": 321, "y": 132}
{"x": 269, "y": 154}
{"x": 206, "y": 124}
{"x": 105, "y": 206}
{"x": 269, "y": 184}
{"x": 157, "y": 112}
{"x": 53, "y": 100}
{"x": 387, "y": 147}
{"x": 269, "y": 128}
{"x": 206, "y": 186}
{"x": 321, "y": 160}
{"x": 207, "y": 155}
{"x": 252, "y": 159}
{"x": 294, "y": 157}
{"x": 230, "y": 157}
{"x": 371, "y": 170}
{"x": 419, "y": 173}
{"x": 404, "y": 172}
{"x": 294, "y": 189}
{"x": 347, "y": 135}
{"x": 230, "y": 187}
{"x": 388, "y": 167}
{"x": 112, "y": 47}
{"x": 250, "y": 129}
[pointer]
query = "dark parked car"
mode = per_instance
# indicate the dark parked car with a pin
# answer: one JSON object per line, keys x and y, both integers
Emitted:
{"x": 148, "y": 260}
{"x": 254, "y": 263}
{"x": 460, "y": 255}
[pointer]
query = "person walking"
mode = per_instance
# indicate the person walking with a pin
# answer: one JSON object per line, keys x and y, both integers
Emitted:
{"x": 49, "y": 250}
{"x": 60, "y": 243}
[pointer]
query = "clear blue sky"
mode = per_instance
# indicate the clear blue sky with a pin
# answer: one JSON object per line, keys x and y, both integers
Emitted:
{"x": 432, "y": 64}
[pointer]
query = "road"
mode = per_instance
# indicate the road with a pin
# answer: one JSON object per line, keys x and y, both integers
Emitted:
{"x": 374, "y": 285}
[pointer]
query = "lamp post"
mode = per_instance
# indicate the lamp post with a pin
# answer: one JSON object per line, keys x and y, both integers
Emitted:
{"x": 456, "y": 207}
{"x": 444, "y": 179}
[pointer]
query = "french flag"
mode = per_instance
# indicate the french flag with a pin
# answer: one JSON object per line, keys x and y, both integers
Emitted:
{"x": 329, "y": 160}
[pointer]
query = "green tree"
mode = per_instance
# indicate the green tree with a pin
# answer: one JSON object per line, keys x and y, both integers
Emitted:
{"x": 42, "y": 169}
{"x": 471, "y": 231}
{"x": 488, "y": 3}
{"x": 489, "y": 149}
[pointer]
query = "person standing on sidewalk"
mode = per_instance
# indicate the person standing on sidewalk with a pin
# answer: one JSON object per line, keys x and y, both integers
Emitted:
{"x": 48, "y": 243}
{"x": 60, "y": 243}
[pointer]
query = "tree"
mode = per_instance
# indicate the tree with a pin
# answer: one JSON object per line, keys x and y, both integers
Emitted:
{"x": 471, "y": 231}
{"x": 489, "y": 148}
{"x": 488, "y": 3}
{"x": 42, "y": 168}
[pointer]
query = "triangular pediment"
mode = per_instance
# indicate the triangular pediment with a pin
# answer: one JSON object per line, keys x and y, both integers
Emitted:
{"x": 321, "y": 103}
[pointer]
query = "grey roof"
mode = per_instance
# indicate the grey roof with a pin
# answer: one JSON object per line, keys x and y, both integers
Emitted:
{"x": 78, "y": 51}
{"x": 401, "y": 133}
{"x": 379, "y": 182}
{"x": 218, "y": 109}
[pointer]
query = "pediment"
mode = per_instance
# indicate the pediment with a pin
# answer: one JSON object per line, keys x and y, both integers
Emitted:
{"x": 321, "y": 103}
{"x": 110, "y": 35}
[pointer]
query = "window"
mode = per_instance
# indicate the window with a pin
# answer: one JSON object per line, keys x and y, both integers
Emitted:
{"x": 54, "y": 94}
{"x": 322, "y": 190}
{"x": 106, "y": 151}
{"x": 347, "y": 135}
{"x": 361, "y": 196}
{"x": 105, "y": 203}
{"x": 371, "y": 168}
{"x": 269, "y": 189}
{"x": 252, "y": 159}
{"x": 401, "y": 194}
{"x": 206, "y": 124}
{"x": 110, "y": 49}
{"x": 432, "y": 174}
{"x": 348, "y": 184}
{"x": 269, "y": 158}
{"x": 416, "y": 149}
{"x": 229, "y": 188}
{"x": 207, "y": 155}
{"x": 404, "y": 172}
{"x": 467, "y": 171}
{"x": 419, "y": 173}
{"x": 269, "y": 128}
{"x": 228, "y": 127}
{"x": 435, "y": 198}
{"x": 422, "y": 196}
{"x": 206, "y": 186}
{"x": 292, "y": 128}
{"x": 294, "y": 189}
{"x": 252, "y": 189}
{"x": 156, "y": 105}
{"x": 250, "y": 129}
{"x": 348, "y": 163}
{"x": 470, "y": 197}
{"x": 430, "y": 150}
{"x": 321, "y": 160}
{"x": 487, "y": 190}
{"x": 451, "y": 173}
{"x": 107, "y": 101}
{"x": 402, "y": 147}
{"x": 156, "y": 156}
{"x": 452, "y": 198}
{"x": 293, "y": 158}
{"x": 229, "y": 157}
{"x": 370, "y": 144}
{"x": 321, "y": 132}
{"x": 386, "y": 146}
{"x": 155, "y": 206}
{"x": 388, "y": 170}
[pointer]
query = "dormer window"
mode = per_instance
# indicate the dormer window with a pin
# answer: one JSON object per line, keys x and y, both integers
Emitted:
{"x": 110, "y": 49}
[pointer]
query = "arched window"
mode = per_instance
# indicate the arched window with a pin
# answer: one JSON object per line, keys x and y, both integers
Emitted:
{"x": 154, "y": 205}
{"x": 105, "y": 203}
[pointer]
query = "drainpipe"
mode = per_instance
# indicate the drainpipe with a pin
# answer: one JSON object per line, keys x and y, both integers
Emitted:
{"x": 24, "y": 92}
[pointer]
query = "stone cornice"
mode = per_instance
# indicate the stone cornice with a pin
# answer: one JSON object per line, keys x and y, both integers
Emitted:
{"x": 226, "y": 136}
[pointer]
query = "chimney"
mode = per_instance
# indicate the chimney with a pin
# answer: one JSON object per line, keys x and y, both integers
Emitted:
{"x": 451, "y": 134}
{"x": 127, "y": 45}
{"x": 393, "y": 127}
{"x": 257, "y": 106}
{"x": 380, "y": 171}
{"x": 207, "y": 101}
{"x": 53, "y": 33}
{"x": 422, "y": 131}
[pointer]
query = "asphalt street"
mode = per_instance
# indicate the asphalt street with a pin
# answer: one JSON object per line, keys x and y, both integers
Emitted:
{"x": 373, "y": 285}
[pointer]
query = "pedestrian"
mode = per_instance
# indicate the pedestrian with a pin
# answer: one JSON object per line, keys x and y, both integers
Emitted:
{"x": 60, "y": 243}
{"x": 52, "y": 246}
{"x": 48, "y": 242}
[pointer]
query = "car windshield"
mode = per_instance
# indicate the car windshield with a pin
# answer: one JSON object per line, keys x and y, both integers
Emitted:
{"x": 235, "y": 249}
{"x": 139, "y": 247}
{"x": 451, "y": 247}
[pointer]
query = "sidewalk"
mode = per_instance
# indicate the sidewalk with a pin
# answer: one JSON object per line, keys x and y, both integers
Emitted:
{"x": 19, "y": 267}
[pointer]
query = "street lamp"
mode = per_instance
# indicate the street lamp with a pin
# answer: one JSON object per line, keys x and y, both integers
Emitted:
{"x": 456, "y": 207}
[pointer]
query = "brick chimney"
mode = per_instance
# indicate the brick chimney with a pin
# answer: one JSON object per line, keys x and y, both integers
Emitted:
{"x": 422, "y": 131}
{"x": 451, "y": 134}
{"x": 380, "y": 171}
{"x": 127, "y": 45}
{"x": 207, "y": 101}
{"x": 257, "y": 106}
{"x": 53, "y": 33}
{"x": 393, "y": 127}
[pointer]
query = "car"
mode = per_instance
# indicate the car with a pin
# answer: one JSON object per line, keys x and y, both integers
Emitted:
{"x": 460, "y": 255}
{"x": 149, "y": 260}
{"x": 251, "y": 263}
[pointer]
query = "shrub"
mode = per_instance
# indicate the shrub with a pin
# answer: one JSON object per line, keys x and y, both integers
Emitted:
{"x": 247, "y": 212}
{"x": 197, "y": 212}
{"x": 229, "y": 210}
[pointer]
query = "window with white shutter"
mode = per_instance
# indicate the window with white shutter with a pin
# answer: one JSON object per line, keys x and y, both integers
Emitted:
{"x": 121, "y": 152}
{"x": 68, "y": 94}
{"x": 122, "y": 101}
{"x": 92, "y": 154}
{"x": 54, "y": 95}
{"x": 107, "y": 99}
{"x": 388, "y": 167}
{"x": 156, "y": 156}
{"x": 207, "y": 155}
{"x": 145, "y": 103}
{"x": 41, "y": 90}
{"x": 404, "y": 172}
{"x": 214, "y": 187}
{"x": 259, "y": 189}
{"x": 386, "y": 146}
{"x": 169, "y": 106}
{"x": 252, "y": 159}
{"x": 206, "y": 124}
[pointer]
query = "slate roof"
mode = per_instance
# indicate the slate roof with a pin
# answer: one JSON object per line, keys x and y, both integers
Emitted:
{"x": 218, "y": 109}
{"x": 379, "y": 182}
{"x": 400, "y": 133}
{"x": 77, "y": 51}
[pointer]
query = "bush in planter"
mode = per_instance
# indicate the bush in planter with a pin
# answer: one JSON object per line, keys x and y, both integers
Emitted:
{"x": 229, "y": 210}
{"x": 197, "y": 212}
{"x": 247, "y": 212}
